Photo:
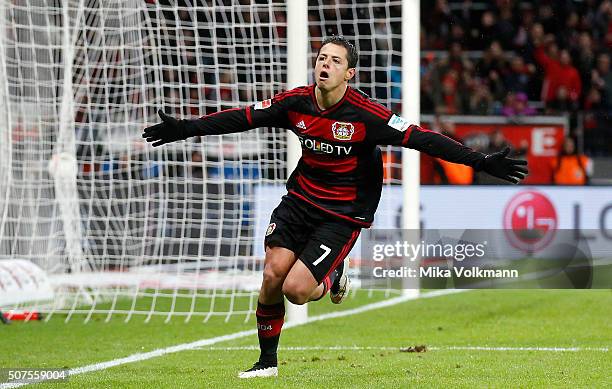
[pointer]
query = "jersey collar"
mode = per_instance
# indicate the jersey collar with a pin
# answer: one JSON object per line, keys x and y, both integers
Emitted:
{"x": 333, "y": 107}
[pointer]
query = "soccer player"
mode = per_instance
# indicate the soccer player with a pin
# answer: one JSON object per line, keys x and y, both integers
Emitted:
{"x": 335, "y": 189}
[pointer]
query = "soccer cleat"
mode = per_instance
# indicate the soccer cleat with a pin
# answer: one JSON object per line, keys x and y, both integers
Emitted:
{"x": 340, "y": 288}
{"x": 260, "y": 369}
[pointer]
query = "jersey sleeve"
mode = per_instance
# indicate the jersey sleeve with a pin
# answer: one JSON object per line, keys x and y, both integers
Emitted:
{"x": 223, "y": 122}
{"x": 272, "y": 112}
{"x": 397, "y": 131}
{"x": 441, "y": 146}
{"x": 267, "y": 113}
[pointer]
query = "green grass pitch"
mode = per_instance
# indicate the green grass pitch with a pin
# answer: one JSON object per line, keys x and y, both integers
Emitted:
{"x": 361, "y": 350}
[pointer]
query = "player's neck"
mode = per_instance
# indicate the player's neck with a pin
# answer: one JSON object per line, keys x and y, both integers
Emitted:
{"x": 327, "y": 99}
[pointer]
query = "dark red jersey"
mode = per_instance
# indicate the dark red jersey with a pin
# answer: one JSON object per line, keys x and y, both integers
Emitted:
{"x": 340, "y": 171}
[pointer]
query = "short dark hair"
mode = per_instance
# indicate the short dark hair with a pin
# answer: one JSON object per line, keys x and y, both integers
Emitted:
{"x": 352, "y": 53}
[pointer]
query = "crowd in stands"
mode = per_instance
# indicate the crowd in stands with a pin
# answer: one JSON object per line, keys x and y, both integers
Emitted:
{"x": 511, "y": 58}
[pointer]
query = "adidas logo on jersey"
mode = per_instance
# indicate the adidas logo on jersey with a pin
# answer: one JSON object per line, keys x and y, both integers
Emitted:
{"x": 301, "y": 125}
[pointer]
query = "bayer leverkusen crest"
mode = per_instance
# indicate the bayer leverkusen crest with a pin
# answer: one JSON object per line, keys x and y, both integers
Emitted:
{"x": 343, "y": 131}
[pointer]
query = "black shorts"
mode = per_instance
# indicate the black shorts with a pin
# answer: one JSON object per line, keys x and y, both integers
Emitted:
{"x": 320, "y": 240}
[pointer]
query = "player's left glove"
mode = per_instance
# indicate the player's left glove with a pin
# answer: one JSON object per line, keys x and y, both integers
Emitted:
{"x": 500, "y": 166}
{"x": 169, "y": 130}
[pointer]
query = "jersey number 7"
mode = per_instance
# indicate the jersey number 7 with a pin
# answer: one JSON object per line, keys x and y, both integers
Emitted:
{"x": 326, "y": 250}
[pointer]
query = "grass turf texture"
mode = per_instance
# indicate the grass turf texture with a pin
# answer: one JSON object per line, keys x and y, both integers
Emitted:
{"x": 534, "y": 318}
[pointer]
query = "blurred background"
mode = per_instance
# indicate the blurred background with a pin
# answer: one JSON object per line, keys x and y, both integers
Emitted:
{"x": 520, "y": 59}
{"x": 532, "y": 75}
{"x": 83, "y": 78}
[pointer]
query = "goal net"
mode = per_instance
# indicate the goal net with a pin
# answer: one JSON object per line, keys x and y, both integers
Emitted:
{"x": 122, "y": 228}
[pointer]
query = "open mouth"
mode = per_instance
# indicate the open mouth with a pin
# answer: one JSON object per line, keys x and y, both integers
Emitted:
{"x": 323, "y": 75}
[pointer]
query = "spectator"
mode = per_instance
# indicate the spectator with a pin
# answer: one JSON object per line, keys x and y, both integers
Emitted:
{"x": 516, "y": 105}
{"x": 522, "y": 151}
{"x": 497, "y": 141}
{"x": 481, "y": 100}
{"x": 546, "y": 16}
{"x": 449, "y": 81}
{"x": 487, "y": 32}
{"x": 592, "y": 102}
{"x": 585, "y": 58}
{"x": 197, "y": 163}
{"x": 457, "y": 59}
{"x": 427, "y": 73}
{"x": 536, "y": 36}
{"x": 448, "y": 173}
{"x": 601, "y": 23}
{"x": 453, "y": 173}
{"x": 492, "y": 60}
{"x": 506, "y": 27}
{"x": 437, "y": 23}
{"x": 602, "y": 79}
{"x": 558, "y": 73}
{"x": 448, "y": 99}
{"x": 517, "y": 79}
{"x": 457, "y": 33}
{"x": 593, "y": 128}
{"x": 561, "y": 103}
{"x": 569, "y": 36}
{"x": 522, "y": 34}
{"x": 570, "y": 167}
{"x": 491, "y": 68}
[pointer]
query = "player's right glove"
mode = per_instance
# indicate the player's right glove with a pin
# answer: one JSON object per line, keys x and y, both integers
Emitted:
{"x": 500, "y": 166}
{"x": 169, "y": 130}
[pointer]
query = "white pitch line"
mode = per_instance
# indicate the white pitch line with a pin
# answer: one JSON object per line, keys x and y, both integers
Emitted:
{"x": 553, "y": 349}
{"x": 434, "y": 348}
{"x": 301, "y": 348}
{"x": 138, "y": 357}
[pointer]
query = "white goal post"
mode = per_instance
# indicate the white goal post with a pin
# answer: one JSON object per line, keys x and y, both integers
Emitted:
{"x": 124, "y": 229}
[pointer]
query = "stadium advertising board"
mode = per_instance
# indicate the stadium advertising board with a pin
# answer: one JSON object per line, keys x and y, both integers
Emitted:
{"x": 539, "y": 138}
{"x": 480, "y": 207}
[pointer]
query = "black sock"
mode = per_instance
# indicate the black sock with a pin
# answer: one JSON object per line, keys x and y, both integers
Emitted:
{"x": 327, "y": 282}
{"x": 270, "y": 319}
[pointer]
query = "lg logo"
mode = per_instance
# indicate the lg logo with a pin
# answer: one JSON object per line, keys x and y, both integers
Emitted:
{"x": 530, "y": 221}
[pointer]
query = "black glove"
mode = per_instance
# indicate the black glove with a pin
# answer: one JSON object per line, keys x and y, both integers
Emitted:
{"x": 498, "y": 165}
{"x": 169, "y": 130}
